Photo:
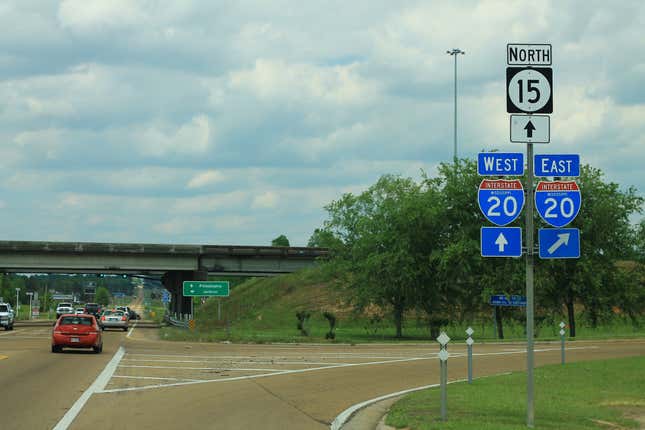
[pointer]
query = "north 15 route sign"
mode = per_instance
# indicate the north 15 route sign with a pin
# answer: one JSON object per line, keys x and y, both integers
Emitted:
{"x": 529, "y": 90}
{"x": 206, "y": 288}
{"x": 557, "y": 202}
{"x": 501, "y": 200}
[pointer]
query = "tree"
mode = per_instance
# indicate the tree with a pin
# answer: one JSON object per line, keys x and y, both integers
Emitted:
{"x": 382, "y": 242}
{"x": 606, "y": 237}
{"x": 322, "y": 238}
{"x": 102, "y": 296}
{"x": 280, "y": 241}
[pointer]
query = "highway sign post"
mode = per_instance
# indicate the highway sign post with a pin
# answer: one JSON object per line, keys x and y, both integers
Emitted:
{"x": 443, "y": 340}
{"x": 501, "y": 241}
{"x": 562, "y": 333}
{"x": 557, "y": 202}
{"x": 501, "y": 200}
{"x": 559, "y": 243}
{"x": 530, "y": 128}
{"x": 469, "y": 342}
{"x": 206, "y": 288}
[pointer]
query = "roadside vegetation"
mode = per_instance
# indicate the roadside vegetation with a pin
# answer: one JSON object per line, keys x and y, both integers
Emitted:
{"x": 405, "y": 263}
{"x": 584, "y": 395}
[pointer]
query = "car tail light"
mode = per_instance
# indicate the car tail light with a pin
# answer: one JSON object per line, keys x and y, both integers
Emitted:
{"x": 122, "y": 318}
{"x": 92, "y": 332}
{"x": 103, "y": 318}
{"x": 58, "y": 332}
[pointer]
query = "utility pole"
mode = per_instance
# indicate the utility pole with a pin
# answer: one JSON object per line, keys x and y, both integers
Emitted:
{"x": 454, "y": 52}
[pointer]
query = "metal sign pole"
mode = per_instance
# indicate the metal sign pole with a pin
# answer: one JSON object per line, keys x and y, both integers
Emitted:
{"x": 443, "y": 340}
{"x": 530, "y": 409}
{"x": 562, "y": 333}
{"x": 470, "y": 342}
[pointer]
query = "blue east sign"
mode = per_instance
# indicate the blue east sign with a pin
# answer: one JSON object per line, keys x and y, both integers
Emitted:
{"x": 557, "y": 202}
{"x": 557, "y": 165}
{"x": 500, "y": 164}
{"x": 501, "y": 200}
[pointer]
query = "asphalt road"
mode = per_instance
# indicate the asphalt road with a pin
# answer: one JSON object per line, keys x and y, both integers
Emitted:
{"x": 154, "y": 384}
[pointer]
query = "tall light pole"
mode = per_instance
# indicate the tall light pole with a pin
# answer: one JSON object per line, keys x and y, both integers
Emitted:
{"x": 455, "y": 52}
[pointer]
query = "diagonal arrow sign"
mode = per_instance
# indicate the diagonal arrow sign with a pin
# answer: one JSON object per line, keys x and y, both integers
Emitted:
{"x": 563, "y": 239}
{"x": 530, "y": 128}
{"x": 501, "y": 242}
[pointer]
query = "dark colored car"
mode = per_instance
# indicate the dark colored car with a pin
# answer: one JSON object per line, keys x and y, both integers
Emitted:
{"x": 77, "y": 331}
{"x": 93, "y": 309}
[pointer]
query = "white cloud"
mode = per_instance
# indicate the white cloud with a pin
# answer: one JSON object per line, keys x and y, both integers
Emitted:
{"x": 266, "y": 200}
{"x": 206, "y": 178}
{"x": 97, "y": 15}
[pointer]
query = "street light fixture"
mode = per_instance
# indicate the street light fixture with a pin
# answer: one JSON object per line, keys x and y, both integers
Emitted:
{"x": 455, "y": 52}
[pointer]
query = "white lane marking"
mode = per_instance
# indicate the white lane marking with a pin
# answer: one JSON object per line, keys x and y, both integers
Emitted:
{"x": 31, "y": 337}
{"x": 132, "y": 329}
{"x": 148, "y": 360}
{"x": 344, "y": 416}
{"x": 278, "y": 357}
{"x": 152, "y": 377}
{"x": 98, "y": 385}
{"x": 274, "y": 373}
{"x": 313, "y": 369}
{"x": 200, "y": 368}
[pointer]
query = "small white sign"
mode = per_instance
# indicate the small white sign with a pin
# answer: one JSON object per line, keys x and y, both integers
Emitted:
{"x": 443, "y": 355}
{"x": 470, "y": 331}
{"x": 561, "y": 332}
{"x": 562, "y": 324}
{"x": 443, "y": 338}
{"x": 470, "y": 341}
{"x": 523, "y": 54}
{"x": 530, "y": 128}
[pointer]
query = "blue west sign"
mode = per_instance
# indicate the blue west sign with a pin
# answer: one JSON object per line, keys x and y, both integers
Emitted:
{"x": 501, "y": 200}
{"x": 557, "y": 202}
{"x": 557, "y": 165}
{"x": 500, "y": 164}
{"x": 502, "y": 300}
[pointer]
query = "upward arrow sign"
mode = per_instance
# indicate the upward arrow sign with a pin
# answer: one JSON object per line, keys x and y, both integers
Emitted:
{"x": 530, "y": 128}
{"x": 501, "y": 242}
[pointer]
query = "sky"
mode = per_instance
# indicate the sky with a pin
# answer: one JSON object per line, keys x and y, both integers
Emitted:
{"x": 233, "y": 122}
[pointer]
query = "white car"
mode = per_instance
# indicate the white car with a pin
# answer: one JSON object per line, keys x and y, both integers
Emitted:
{"x": 64, "y": 308}
{"x": 6, "y": 316}
{"x": 79, "y": 311}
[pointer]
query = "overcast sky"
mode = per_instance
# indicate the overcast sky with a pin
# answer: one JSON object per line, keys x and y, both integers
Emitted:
{"x": 232, "y": 122}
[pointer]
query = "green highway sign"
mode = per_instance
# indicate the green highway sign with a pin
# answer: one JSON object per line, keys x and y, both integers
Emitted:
{"x": 206, "y": 288}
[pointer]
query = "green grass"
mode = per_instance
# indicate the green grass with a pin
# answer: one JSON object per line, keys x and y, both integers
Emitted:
{"x": 575, "y": 396}
{"x": 263, "y": 310}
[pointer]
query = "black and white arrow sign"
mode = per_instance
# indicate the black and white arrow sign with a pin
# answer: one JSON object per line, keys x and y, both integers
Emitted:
{"x": 530, "y": 128}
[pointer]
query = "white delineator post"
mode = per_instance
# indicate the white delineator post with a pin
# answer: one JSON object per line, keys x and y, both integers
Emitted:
{"x": 443, "y": 340}
{"x": 470, "y": 342}
{"x": 562, "y": 333}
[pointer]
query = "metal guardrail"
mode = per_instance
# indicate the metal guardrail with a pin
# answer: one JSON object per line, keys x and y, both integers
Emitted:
{"x": 178, "y": 320}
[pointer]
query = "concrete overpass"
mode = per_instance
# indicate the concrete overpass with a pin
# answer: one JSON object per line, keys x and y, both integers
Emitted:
{"x": 172, "y": 263}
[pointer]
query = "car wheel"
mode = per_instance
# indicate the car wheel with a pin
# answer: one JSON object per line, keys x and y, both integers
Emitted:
{"x": 56, "y": 348}
{"x": 97, "y": 349}
{"x": 125, "y": 329}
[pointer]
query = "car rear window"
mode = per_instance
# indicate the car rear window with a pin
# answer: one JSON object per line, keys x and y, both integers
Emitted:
{"x": 107, "y": 312}
{"x": 4, "y": 308}
{"x": 76, "y": 321}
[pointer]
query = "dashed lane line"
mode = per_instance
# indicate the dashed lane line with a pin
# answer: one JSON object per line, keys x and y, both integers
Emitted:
{"x": 202, "y": 368}
{"x": 132, "y": 329}
{"x": 153, "y": 377}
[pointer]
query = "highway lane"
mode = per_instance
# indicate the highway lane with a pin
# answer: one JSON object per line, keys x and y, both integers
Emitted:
{"x": 167, "y": 385}
{"x": 36, "y": 386}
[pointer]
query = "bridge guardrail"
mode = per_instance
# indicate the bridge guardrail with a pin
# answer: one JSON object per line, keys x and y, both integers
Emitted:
{"x": 177, "y": 320}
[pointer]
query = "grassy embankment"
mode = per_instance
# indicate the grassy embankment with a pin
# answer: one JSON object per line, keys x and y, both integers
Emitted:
{"x": 586, "y": 395}
{"x": 263, "y": 310}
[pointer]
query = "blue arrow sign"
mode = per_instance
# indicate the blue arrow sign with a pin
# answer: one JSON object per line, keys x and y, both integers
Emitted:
{"x": 500, "y": 200}
{"x": 500, "y": 163}
{"x": 557, "y": 202}
{"x": 501, "y": 242}
{"x": 559, "y": 242}
{"x": 557, "y": 165}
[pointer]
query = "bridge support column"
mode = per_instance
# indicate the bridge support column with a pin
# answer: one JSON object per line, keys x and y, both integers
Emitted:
{"x": 173, "y": 282}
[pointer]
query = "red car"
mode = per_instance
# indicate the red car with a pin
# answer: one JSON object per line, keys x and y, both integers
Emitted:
{"x": 77, "y": 331}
